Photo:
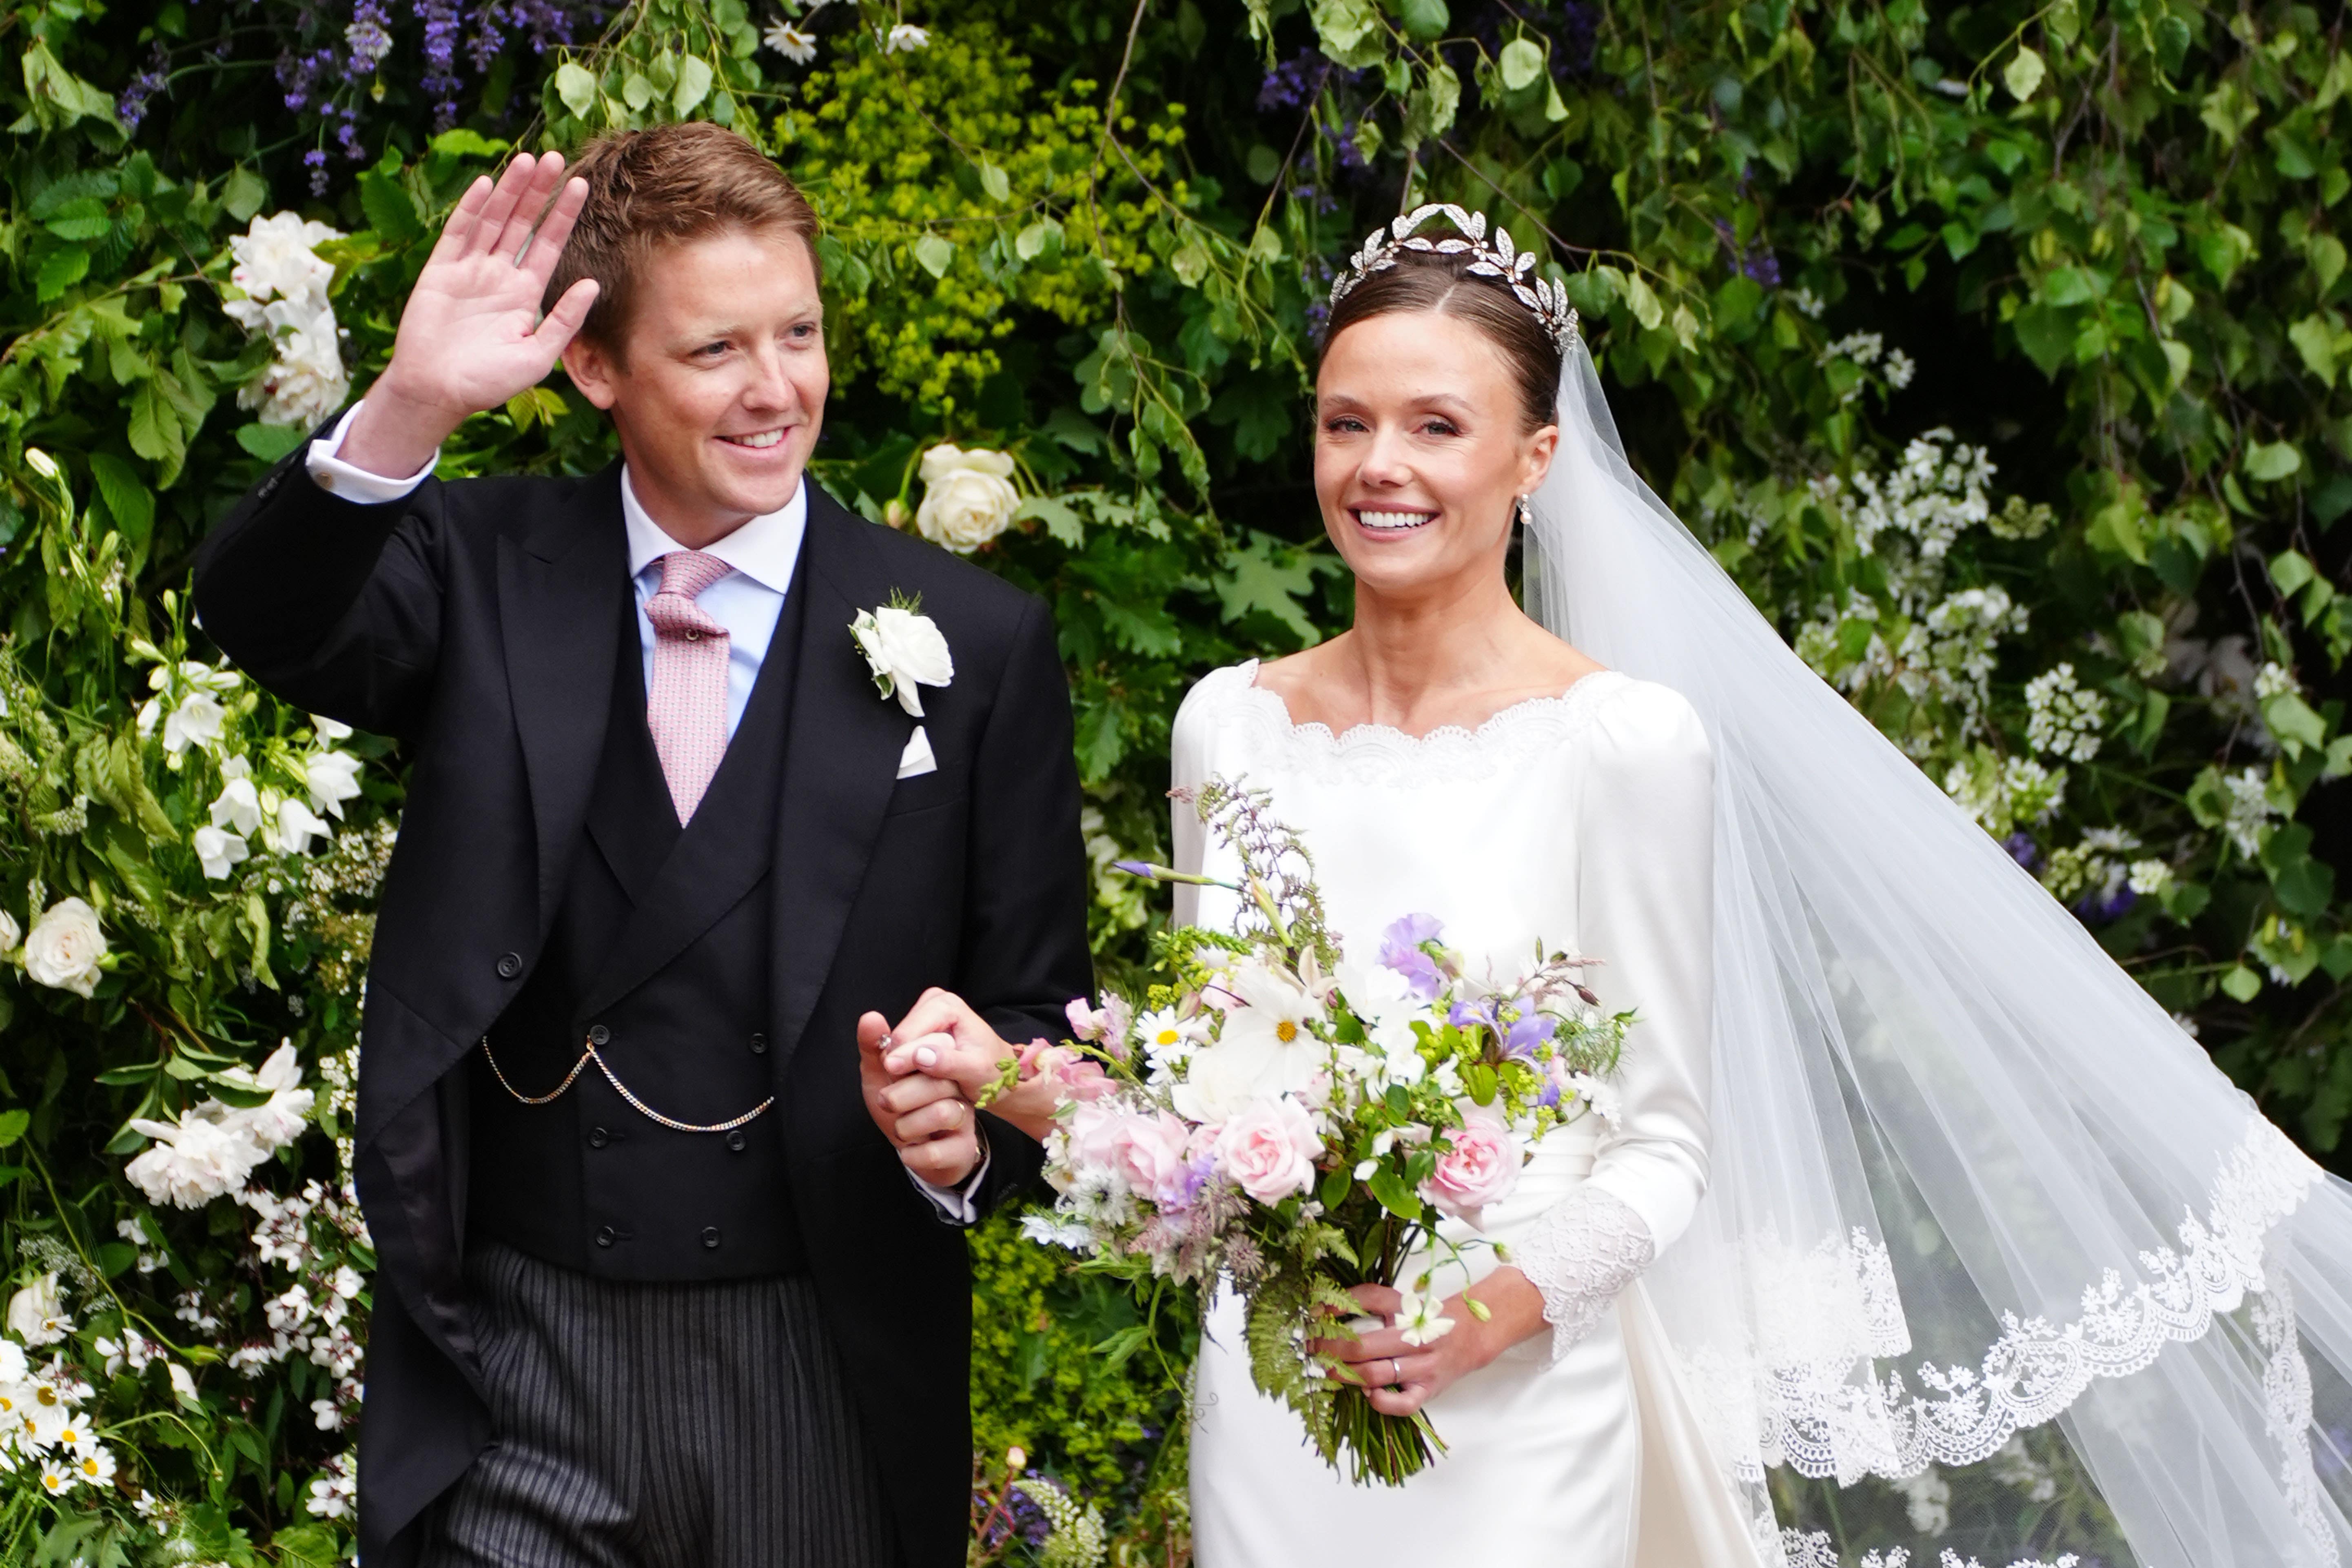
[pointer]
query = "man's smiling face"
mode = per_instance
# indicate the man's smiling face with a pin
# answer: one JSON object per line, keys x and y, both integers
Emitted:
{"x": 721, "y": 392}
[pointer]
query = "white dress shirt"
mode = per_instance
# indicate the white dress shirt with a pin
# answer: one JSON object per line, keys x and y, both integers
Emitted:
{"x": 747, "y": 602}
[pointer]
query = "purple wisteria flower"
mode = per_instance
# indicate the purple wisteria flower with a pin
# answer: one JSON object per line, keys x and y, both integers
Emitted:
{"x": 1400, "y": 951}
{"x": 440, "y": 79}
{"x": 131, "y": 108}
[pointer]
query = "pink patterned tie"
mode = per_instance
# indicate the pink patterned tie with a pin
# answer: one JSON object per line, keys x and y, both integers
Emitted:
{"x": 687, "y": 709}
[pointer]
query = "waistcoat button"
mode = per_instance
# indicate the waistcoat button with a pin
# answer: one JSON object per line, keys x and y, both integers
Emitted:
{"x": 510, "y": 965}
{"x": 710, "y": 1237}
{"x": 599, "y": 1138}
{"x": 759, "y": 1045}
{"x": 598, "y": 1035}
{"x": 736, "y": 1141}
{"x": 604, "y": 1237}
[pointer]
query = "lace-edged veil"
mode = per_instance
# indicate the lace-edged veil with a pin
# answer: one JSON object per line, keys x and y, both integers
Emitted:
{"x": 1966, "y": 1178}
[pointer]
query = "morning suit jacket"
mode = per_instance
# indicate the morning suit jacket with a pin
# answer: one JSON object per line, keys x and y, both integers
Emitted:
{"x": 474, "y": 620}
{"x": 586, "y": 1181}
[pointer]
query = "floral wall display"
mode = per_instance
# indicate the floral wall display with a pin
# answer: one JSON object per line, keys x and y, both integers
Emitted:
{"x": 1997, "y": 351}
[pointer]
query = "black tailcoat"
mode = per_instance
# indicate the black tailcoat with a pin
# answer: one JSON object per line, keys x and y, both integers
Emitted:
{"x": 475, "y": 621}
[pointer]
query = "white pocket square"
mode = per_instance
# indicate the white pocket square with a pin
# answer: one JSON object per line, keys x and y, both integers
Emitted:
{"x": 917, "y": 759}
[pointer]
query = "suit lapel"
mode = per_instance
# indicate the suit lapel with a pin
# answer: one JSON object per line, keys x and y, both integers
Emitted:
{"x": 559, "y": 590}
{"x": 841, "y": 762}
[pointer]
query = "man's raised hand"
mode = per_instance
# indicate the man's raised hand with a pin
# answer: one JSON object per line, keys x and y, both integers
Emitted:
{"x": 470, "y": 335}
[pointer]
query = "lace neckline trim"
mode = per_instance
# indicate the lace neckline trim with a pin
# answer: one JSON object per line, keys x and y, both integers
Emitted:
{"x": 1388, "y": 737}
{"x": 1382, "y": 754}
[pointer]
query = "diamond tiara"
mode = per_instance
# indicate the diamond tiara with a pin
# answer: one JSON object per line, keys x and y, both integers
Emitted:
{"x": 1514, "y": 268}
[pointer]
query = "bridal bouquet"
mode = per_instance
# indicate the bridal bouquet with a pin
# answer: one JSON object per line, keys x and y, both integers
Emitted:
{"x": 1299, "y": 1122}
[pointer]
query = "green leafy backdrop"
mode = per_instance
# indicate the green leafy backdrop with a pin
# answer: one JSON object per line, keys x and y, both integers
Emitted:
{"x": 1998, "y": 350}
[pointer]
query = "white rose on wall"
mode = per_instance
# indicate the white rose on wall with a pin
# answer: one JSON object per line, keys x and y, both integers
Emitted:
{"x": 64, "y": 947}
{"x": 11, "y": 934}
{"x": 968, "y": 498}
{"x": 286, "y": 281}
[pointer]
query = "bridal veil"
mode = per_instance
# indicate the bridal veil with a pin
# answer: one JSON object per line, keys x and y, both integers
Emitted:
{"x": 1968, "y": 1177}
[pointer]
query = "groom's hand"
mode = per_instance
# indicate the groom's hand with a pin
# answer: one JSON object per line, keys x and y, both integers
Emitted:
{"x": 470, "y": 335}
{"x": 925, "y": 1119}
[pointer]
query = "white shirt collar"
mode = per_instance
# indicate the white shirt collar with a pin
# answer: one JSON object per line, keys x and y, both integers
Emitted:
{"x": 763, "y": 549}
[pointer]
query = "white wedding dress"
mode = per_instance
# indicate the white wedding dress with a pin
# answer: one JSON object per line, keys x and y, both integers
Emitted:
{"x": 1582, "y": 822}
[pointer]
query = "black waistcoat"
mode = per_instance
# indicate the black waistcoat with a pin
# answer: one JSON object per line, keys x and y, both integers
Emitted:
{"x": 588, "y": 1182}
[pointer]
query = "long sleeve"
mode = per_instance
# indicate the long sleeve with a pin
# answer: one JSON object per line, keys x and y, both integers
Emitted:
{"x": 1026, "y": 954}
{"x": 1188, "y": 766}
{"x": 330, "y": 603}
{"x": 1645, "y": 841}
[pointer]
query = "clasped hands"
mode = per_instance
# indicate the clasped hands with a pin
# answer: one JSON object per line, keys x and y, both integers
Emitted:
{"x": 923, "y": 1076}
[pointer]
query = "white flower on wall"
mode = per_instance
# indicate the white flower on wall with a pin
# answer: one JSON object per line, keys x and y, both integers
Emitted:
{"x": 285, "y": 284}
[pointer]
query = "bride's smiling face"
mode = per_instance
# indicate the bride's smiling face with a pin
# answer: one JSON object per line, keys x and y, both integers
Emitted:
{"x": 1421, "y": 451}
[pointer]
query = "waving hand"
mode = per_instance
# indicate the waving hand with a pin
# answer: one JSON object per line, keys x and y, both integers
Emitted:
{"x": 470, "y": 335}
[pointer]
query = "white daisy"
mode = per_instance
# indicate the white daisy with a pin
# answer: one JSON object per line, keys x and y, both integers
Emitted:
{"x": 906, "y": 36}
{"x": 789, "y": 41}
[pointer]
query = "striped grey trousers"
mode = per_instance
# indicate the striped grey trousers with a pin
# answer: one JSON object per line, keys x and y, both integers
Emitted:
{"x": 658, "y": 1426}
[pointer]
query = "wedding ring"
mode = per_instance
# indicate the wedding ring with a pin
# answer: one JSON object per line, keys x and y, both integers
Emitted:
{"x": 1396, "y": 1373}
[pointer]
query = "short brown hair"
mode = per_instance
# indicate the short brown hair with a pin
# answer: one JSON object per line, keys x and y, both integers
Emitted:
{"x": 1421, "y": 281}
{"x": 649, "y": 189}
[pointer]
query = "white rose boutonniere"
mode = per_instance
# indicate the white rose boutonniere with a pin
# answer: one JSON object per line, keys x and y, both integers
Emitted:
{"x": 65, "y": 946}
{"x": 968, "y": 498}
{"x": 904, "y": 650}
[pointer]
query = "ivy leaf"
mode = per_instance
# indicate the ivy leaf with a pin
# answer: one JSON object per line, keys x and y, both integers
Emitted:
{"x": 996, "y": 181}
{"x": 1425, "y": 21}
{"x": 1430, "y": 110}
{"x": 1270, "y": 576}
{"x": 1521, "y": 63}
{"x": 2271, "y": 461}
{"x": 1349, "y": 31}
{"x": 1643, "y": 301}
{"x": 243, "y": 193}
{"x": 693, "y": 78}
{"x": 271, "y": 442}
{"x": 1041, "y": 239}
{"x": 932, "y": 254}
{"x": 576, "y": 88}
{"x": 2023, "y": 73}
{"x": 2314, "y": 338}
{"x": 11, "y": 1126}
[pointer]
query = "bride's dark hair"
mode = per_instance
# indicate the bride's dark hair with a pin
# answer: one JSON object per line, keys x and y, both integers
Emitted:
{"x": 1444, "y": 285}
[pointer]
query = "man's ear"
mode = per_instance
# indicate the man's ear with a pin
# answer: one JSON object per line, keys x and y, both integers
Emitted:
{"x": 592, "y": 369}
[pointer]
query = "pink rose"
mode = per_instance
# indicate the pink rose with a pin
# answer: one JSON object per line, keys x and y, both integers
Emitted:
{"x": 1481, "y": 1168}
{"x": 1268, "y": 1151}
{"x": 1151, "y": 1159}
{"x": 1096, "y": 1134}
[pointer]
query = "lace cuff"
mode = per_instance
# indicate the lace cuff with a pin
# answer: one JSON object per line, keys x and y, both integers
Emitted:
{"x": 1580, "y": 1254}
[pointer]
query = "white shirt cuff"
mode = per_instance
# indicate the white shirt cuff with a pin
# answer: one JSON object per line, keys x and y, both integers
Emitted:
{"x": 356, "y": 485}
{"x": 959, "y": 1205}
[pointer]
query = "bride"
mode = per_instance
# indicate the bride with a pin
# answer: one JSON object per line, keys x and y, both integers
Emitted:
{"x": 1903, "y": 1164}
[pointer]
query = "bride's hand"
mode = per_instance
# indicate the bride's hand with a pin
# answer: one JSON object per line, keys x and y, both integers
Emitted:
{"x": 1401, "y": 1377}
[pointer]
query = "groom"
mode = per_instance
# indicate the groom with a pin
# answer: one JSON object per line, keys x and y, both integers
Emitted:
{"x": 670, "y": 1265}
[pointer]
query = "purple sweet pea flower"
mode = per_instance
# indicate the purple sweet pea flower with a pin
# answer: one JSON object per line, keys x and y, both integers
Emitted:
{"x": 1400, "y": 951}
{"x": 1529, "y": 1033}
{"x": 1474, "y": 1015}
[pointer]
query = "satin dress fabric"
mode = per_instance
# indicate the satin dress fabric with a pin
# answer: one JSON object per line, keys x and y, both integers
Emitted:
{"x": 1580, "y": 822}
